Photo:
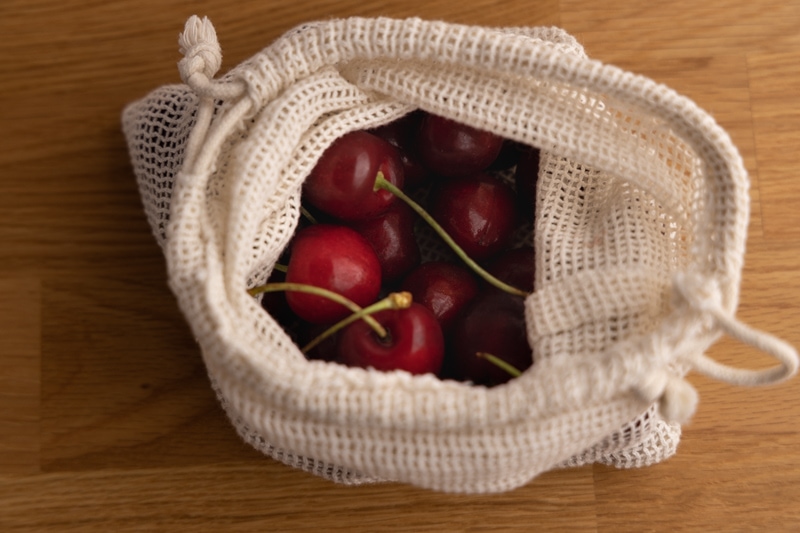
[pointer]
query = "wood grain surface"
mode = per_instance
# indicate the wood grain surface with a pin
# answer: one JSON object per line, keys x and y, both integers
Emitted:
{"x": 107, "y": 420}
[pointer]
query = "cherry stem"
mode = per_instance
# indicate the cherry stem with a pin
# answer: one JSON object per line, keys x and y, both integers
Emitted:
{"x": 500, "y": 363}
{"x": 395, "y": 300}
{"x": 306, "y": 213}
{"x": 281, "y": 268}
{"x": 324, "y": 293}
{"x": 382, "y": 183}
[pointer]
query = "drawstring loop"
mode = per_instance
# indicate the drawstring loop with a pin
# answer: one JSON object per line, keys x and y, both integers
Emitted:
{"x": 677, "y": 399}
{"x": 704, "y": 294}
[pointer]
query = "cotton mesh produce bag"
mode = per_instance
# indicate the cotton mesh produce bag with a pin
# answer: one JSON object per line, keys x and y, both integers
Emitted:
{"x": 639, "y": 236}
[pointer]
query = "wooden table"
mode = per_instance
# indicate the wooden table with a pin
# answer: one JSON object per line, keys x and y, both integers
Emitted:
{"x": 107, "y": 420}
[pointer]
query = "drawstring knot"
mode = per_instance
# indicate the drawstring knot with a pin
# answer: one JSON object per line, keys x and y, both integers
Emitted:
{"x": 677, "y": 398}
{"x": 200, "y": 48}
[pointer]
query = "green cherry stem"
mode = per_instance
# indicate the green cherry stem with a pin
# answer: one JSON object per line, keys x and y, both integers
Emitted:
{"x": 500, "y": 363}
{"x": 382, "y": 183}
{"x": 319, "y": 291}
{"x": 395, "y": 300}
{"x": 305, "y": 212}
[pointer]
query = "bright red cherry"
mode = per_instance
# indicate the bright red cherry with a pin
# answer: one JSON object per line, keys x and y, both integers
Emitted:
{"x": 341, "y": 183}
{"x": 414, "y": 342}
{"x": 479, "y": 213}
{"x": 392, "y": 236}
{"x": 444, "y": 288}
{"x": 494, "y": 322}
{"x": 336, "y": 258}
{"x": 452, "y": 149}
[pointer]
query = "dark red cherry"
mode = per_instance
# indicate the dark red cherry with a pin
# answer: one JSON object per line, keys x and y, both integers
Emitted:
{"x": 336, "y": 258}
{"x": 514, "y": 267}
{"x": 479, "y": 213}
{"x": 508, "y": 156}
{"x": 494, "y": 322}
{"x": 326, "y": 350}
{"x": 341, "y": 183}
{"x": 402, "y": 134}
{"x": 453, "y": 149}
{"x": 414, "y": 342}
{"x": 391, "y": 235}
{"x": 444, "y": 288}
{"x": 526, "y": 177}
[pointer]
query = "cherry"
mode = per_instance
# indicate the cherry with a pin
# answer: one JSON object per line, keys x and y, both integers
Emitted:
{"x": 414, "y": 342}
{"x": 391, "y": 235}
{"x": 493, "y": 322}
{"x": 508, "y": 156}
{"x": 381, "y": 183}
{"x": 453, "y": 149}
{"x": 402, "y": 134}
{"x": 479, "y": 213}
{"x": 444, "y": 288}
{"x": 526, "y": 176}
{"x": 356, "y": 241}
{"x": 515, "y": 267}
{"x": 341, "y": 183}
{"x": 336, "y": 258}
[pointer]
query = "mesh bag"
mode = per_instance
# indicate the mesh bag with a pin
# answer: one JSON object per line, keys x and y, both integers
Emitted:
{"x": 641, "y": 219}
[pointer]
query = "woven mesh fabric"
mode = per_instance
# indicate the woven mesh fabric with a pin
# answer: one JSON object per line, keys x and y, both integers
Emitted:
{"x": 636, "y": 184}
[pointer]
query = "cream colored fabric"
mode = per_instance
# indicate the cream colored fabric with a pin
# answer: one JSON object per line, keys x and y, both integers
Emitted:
{"x": 642, "y": 212}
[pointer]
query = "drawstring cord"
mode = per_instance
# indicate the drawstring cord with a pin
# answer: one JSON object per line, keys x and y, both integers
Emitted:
{"x": 202, "y": 58}
{"x": 676, "y": 397}
{"x": 705, "y": 296}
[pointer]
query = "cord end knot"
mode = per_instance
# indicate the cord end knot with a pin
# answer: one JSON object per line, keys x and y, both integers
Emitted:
{"x": 200, "y": 48}
{"x": 677, "y": 398}
{"x": 679, "y": 401}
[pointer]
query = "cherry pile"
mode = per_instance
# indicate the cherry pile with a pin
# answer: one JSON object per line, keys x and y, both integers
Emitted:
{"x": 357, "y": 288}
